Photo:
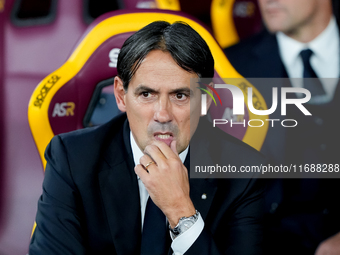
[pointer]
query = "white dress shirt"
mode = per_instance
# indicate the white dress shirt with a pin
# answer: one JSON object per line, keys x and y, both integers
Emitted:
{"x": 325, "y": 61}
{"x": 184, "y": 241}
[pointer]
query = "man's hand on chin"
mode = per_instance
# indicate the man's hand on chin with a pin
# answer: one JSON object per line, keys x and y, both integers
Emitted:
{"x": 166, "y": 180}
{"x": 330, "y": 246}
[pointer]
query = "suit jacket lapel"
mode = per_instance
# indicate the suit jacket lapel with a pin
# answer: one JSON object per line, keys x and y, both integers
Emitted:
{"x": 268, "y": 52}
{"x": 120, "y": 193}
{"x": 202, "y": 191}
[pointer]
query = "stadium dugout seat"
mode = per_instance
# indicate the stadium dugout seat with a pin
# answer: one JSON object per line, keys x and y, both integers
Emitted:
{"x": 234, "y": 20}
{"x": 79, "y": 94}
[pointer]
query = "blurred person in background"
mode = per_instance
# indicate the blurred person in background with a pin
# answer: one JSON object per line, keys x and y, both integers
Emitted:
{"x": 301, "y": 41}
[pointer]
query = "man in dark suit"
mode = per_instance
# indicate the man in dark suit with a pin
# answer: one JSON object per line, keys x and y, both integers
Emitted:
{"x": 303, "y": 38}
{"x": 123, "y": 187}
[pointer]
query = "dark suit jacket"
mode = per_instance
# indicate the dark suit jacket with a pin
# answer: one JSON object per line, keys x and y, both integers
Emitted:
{"x": 313, "y": 202}
{"x": 257, "y": 57}
{"x": 90, "y": 202}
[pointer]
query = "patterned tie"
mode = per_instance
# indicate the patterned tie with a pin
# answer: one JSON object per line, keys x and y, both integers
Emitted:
{"x": 313, "y": 85}
{"x": 155, "y": 237}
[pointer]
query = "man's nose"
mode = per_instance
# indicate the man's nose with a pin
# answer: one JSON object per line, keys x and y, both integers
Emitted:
{"x": 163, "y": 111}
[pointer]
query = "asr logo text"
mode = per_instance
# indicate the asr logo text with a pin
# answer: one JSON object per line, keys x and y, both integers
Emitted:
{"x": 63, "y": 109}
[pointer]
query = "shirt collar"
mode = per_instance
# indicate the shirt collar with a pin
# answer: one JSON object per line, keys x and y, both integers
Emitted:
{"x": 327, "y": 42}
{"x": 137, "y": 153}
{"x": 323, "y": 45}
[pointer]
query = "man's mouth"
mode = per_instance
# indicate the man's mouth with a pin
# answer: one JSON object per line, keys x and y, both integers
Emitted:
{"x": 164, "y": 137}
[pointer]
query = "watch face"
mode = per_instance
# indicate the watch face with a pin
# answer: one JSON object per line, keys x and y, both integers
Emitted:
{"x": 185, "y": 225}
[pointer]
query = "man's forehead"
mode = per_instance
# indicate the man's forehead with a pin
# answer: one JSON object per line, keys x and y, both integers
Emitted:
{"x": 159, "y": 71}
{"x": 160, "y": 88}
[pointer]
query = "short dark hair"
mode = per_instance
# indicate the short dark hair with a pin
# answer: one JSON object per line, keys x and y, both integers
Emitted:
{"x": 185, "y": 45}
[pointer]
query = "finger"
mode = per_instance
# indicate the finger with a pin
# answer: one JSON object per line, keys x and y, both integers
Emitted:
{"x": 146, "y": 159}
{"x": 140, "y": 171}
{"x": 169, "y": 152}
{"x": 160, "y": 150}
{"x": 173, "y": 147}
{"x": 154, "y": 152}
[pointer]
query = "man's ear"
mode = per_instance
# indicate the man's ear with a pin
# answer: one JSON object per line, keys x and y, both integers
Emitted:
{"x": 119, "y": 92}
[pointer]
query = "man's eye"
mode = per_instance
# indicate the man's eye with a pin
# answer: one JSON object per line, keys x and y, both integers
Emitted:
{"x": 145, "y": 94}
{"x": 181, "y": 96}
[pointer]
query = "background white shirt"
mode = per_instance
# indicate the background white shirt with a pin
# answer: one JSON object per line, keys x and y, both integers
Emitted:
{"x": 325, "y": 61}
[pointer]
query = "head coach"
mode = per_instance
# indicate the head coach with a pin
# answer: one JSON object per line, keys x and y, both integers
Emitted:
{"x": 123, "y": 187}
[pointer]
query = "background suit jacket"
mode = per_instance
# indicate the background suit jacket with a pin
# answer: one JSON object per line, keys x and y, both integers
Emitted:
{"x": 90, "y": 202}
{"x": 305, "y": 210}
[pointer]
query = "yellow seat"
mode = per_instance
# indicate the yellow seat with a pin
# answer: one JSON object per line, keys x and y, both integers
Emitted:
{"x": 63, "y": 100}
{"x": 233, "y": 20}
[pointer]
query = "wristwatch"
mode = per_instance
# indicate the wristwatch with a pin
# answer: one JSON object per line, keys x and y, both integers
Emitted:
{"x": 183, "y": 225}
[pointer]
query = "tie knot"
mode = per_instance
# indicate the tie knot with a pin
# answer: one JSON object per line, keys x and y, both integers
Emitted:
{"x": 306, "y": 54}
